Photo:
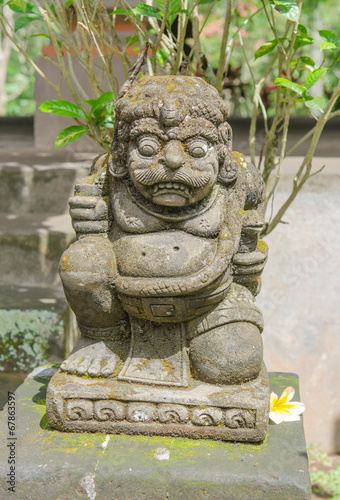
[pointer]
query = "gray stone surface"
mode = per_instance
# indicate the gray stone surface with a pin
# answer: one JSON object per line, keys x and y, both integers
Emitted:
{"x": 54, "y": 465}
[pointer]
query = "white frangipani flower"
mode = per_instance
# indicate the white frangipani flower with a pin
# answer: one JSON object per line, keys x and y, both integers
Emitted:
{"x": 283, "y": 409}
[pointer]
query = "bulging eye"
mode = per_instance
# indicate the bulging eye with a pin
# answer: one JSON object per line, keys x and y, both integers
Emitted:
{"x": 197, "y": 148}
{"x": 148, "y": 146}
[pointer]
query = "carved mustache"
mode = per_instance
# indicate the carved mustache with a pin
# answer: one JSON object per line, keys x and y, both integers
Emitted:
{"x": 161, "y": 173}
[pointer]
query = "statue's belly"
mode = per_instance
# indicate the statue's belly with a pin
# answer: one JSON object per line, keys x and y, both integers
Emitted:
{"x": 162, "y": 254}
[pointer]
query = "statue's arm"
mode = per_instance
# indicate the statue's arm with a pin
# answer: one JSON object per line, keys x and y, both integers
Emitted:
{"x": 249, "y": 261}
{"x": 89, "y": 206}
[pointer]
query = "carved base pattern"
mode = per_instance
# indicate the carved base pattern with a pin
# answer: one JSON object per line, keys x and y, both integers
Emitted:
{"x": 233, "y": 413}
{"x": 102, "y": 410}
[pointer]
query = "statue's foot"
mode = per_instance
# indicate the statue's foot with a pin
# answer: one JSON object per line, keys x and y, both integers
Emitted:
{"x": 96, "y": 359}
{"x": 228, "y": 354}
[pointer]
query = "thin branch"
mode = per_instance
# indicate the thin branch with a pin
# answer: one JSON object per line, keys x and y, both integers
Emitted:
{"x": 317, "y": 172}
{"x": 159, "y": 36}
{"x": 195, "y": 32}
{"x": 304, "y": 172}
{"x": 127, "y": 8}
{"x": 283, "y": 143}
{"x": 182, "y": 28}
{"x": 223, "y": 56}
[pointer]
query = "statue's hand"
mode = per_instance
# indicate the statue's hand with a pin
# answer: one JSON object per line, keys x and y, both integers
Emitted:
{"x": 89, "y": 214}
{"x": 248, "y": 266}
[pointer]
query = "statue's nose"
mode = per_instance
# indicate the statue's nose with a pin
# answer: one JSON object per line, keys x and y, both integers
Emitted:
{"x": 173, "y": 154}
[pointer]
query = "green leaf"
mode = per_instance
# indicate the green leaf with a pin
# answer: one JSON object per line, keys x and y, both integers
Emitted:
{"x": 265, "y": 48}
{"x": 147, "y": 10}
{"x": 108, "y": 96}
{"x": 160, "y": 4}
{"x": 23, "y": 21}
{"x": 289, "y": 8}
{"x": 329, "y": 36}
{"x": 90, "y": 102}
{"x": 183, "y": 11}
{"x": 295, "y": 87}
{"x": 201, "y": 2}
{"x": 302, "y": 29}
{"x": 68, "y": 3}
{"x": 307, "y": 61}
{"x": 17, "y": 6}
{"x": 63, "y": 108}
{"x": 122, "y": 12}
{"x": 108, "y": 123}
{"x": 22, "y": 7}
{"x": 300, "y": 41}
{"x": 318, "y": 103}
{"x": 31, "y": 9}
{"x": 171, "y": 18}
{"x": 42, "y": 35}
{"x": 327, "y": 46}
{"x": 68, "y": 135}
{"x": 161, "y": 57}
{"x": 314, "y": 76}
{"x": 175, "y": 6}
{"x": 104, "y": 114}
{"x": 131, "y": 40}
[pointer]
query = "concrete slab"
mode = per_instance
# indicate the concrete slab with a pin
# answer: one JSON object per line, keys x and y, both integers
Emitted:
{"x": 54, "y": 465}
{"x": 33, "y": 183}
{"x": 31, "y": 246}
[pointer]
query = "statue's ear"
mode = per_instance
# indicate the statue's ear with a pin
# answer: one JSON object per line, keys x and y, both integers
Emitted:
{"x": 228, "y": 167}
{"x": 228, "y": 172}
{"x": 117, "y": 157}
{"x": 116, "y": 168}
{"x": 225, "y": 135}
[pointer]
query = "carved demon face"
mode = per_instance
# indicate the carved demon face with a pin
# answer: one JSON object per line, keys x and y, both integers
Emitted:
{"x": 172, "y": 139}
{"x": 175, "y": 165}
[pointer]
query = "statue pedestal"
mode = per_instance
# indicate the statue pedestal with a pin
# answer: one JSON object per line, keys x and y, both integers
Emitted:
{"x": 56, "y": 465}
{"x": 232, "y": 413}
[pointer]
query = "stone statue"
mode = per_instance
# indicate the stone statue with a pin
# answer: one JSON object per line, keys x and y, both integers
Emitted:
{"x": 163, "y": 276}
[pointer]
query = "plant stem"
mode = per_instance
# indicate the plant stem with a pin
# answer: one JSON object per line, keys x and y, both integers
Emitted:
{"x": 222, "y": 59}
{"x": 159, "y": 36}
{"x": 304, "y": 172}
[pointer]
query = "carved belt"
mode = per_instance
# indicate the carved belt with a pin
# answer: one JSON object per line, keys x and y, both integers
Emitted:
{"x": 173, "y": 309}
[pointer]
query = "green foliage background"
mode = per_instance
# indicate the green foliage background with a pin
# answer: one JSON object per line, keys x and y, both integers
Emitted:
{"x": 25, "y": 337}
{"x": 316, "y": 15}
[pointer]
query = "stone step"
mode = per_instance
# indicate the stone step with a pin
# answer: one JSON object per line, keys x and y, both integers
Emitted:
{"x": 31, "y": 246}
{"x": 38, "y": 182}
